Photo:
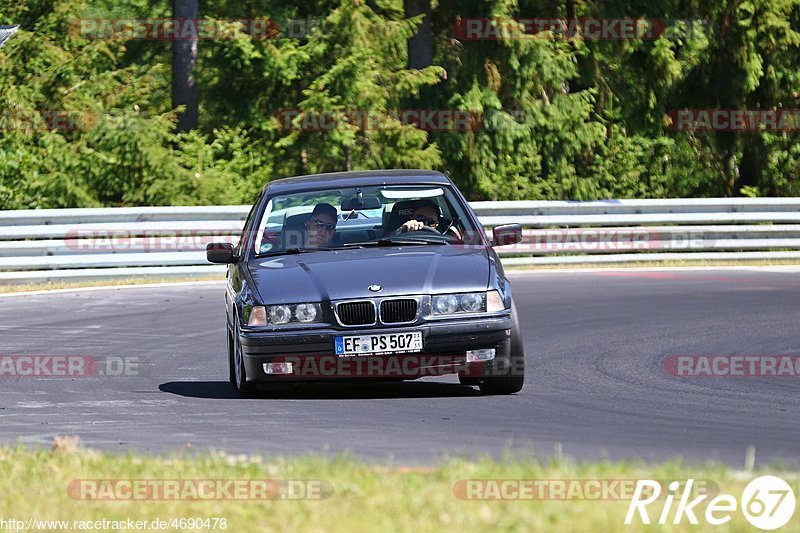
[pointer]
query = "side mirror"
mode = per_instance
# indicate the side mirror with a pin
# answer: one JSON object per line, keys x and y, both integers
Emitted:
{"x": 220, "y": 252}
{"x": 506, "y": 234}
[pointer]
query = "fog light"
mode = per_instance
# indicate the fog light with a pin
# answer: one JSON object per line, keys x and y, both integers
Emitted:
{"x": 477, "y": 356}
{"x": 277, "y": 368}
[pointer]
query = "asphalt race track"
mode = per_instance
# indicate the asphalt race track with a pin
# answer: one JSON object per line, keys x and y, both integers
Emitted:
{"x": 596, "y": 344}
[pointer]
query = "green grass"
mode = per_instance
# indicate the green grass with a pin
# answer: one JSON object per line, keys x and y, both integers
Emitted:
{"x": 55, "y": 285}
{"x": 363, "y": 497}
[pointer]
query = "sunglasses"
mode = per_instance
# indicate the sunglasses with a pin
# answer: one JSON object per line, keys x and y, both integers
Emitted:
{"x": 425, "y": 220}
{"x": 320, "y": 224}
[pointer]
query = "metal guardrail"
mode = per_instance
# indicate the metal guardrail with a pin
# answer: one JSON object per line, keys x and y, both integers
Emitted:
{"x": 6, "y": 32}
{"x": 163, "y": 242}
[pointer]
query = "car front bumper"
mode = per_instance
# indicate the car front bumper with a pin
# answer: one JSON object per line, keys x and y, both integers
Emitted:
{"x": 312, "y": 356}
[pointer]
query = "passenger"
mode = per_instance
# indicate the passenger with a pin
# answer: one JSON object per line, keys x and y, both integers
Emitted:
{"x": 321, "y": 226}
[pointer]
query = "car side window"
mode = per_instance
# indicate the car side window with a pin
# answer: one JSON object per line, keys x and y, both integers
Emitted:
{"x": 263, "y": 240}
{"x": 248, "y": 224}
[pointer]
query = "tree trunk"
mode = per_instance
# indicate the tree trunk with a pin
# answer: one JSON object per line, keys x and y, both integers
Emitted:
{"x": 754, "y": 162}
{"x": 184, "y": 61}
{"x": 420, "y": 46}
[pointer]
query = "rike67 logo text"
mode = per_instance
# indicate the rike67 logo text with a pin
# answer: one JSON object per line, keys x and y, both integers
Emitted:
{"x": 767, "y": 502}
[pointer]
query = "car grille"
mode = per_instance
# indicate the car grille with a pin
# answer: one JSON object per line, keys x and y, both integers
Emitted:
{"x": 393, "y": 311}
{"x": 356, "y": 313}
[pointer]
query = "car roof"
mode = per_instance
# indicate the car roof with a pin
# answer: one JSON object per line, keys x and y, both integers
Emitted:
{"x": 358, "y": 178}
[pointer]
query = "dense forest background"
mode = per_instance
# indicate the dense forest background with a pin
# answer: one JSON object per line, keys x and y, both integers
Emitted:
{"x": 571, "y": 118}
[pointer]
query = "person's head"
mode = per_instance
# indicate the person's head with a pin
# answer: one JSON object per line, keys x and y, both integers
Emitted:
{"x": 321, "y": 225}
{"x": 426, "y": 212}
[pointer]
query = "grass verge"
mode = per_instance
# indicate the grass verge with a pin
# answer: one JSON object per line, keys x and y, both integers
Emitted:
{"x": 57, "y": 285}
{"x": 359, "y": 497}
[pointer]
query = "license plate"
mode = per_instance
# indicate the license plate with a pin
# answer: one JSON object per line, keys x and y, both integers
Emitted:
{"x": 349, "y": 346}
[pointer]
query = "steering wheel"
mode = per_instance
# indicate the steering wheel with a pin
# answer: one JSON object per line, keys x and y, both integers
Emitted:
{"x": 426, "y": 229}
{"x": 429, "y": 229}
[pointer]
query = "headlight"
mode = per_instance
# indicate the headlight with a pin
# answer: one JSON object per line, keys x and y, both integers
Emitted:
{"x": 471, "y": 302}
{"x": 306, "y": 312}
{"x": 277, "y": 315}
{"x": 445, "y": 305}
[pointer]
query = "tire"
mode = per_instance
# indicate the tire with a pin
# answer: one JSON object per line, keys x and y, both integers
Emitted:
{"x": 509, "y": 372}
{"x": 469, "y": 380}
{"x": 238, "y": 372}
{"x": 231, "y": 367}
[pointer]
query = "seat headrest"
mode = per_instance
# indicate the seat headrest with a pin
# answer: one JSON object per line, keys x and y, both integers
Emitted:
{"x": 293, "y": 230}
{"x": 402, "y": 211}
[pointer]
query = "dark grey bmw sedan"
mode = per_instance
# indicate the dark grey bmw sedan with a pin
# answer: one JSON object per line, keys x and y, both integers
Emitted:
{"x": 377, "y": 275}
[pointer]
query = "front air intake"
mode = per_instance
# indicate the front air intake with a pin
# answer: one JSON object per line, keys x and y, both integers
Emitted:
{"x": 401, "y": 310}
{"x": 356, "y": 313}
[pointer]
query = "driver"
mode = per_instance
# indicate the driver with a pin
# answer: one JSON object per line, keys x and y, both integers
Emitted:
{"x": 427, "y": 213}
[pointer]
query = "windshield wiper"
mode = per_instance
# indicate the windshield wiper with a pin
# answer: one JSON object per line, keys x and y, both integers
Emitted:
{"x": 395, "y": 242}
{"x": 294, "y": 251}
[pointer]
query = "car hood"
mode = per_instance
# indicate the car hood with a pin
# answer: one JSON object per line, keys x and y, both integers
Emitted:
{"x": 345, "y": 274}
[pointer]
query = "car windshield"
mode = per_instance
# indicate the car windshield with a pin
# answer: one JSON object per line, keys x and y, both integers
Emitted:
{"x": 350, "y": 217}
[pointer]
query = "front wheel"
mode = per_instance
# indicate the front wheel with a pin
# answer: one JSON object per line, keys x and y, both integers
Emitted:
{"x": 238, "y": 373}
{"x": 508, "y": 372}
{"x": 469, "y": 380}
